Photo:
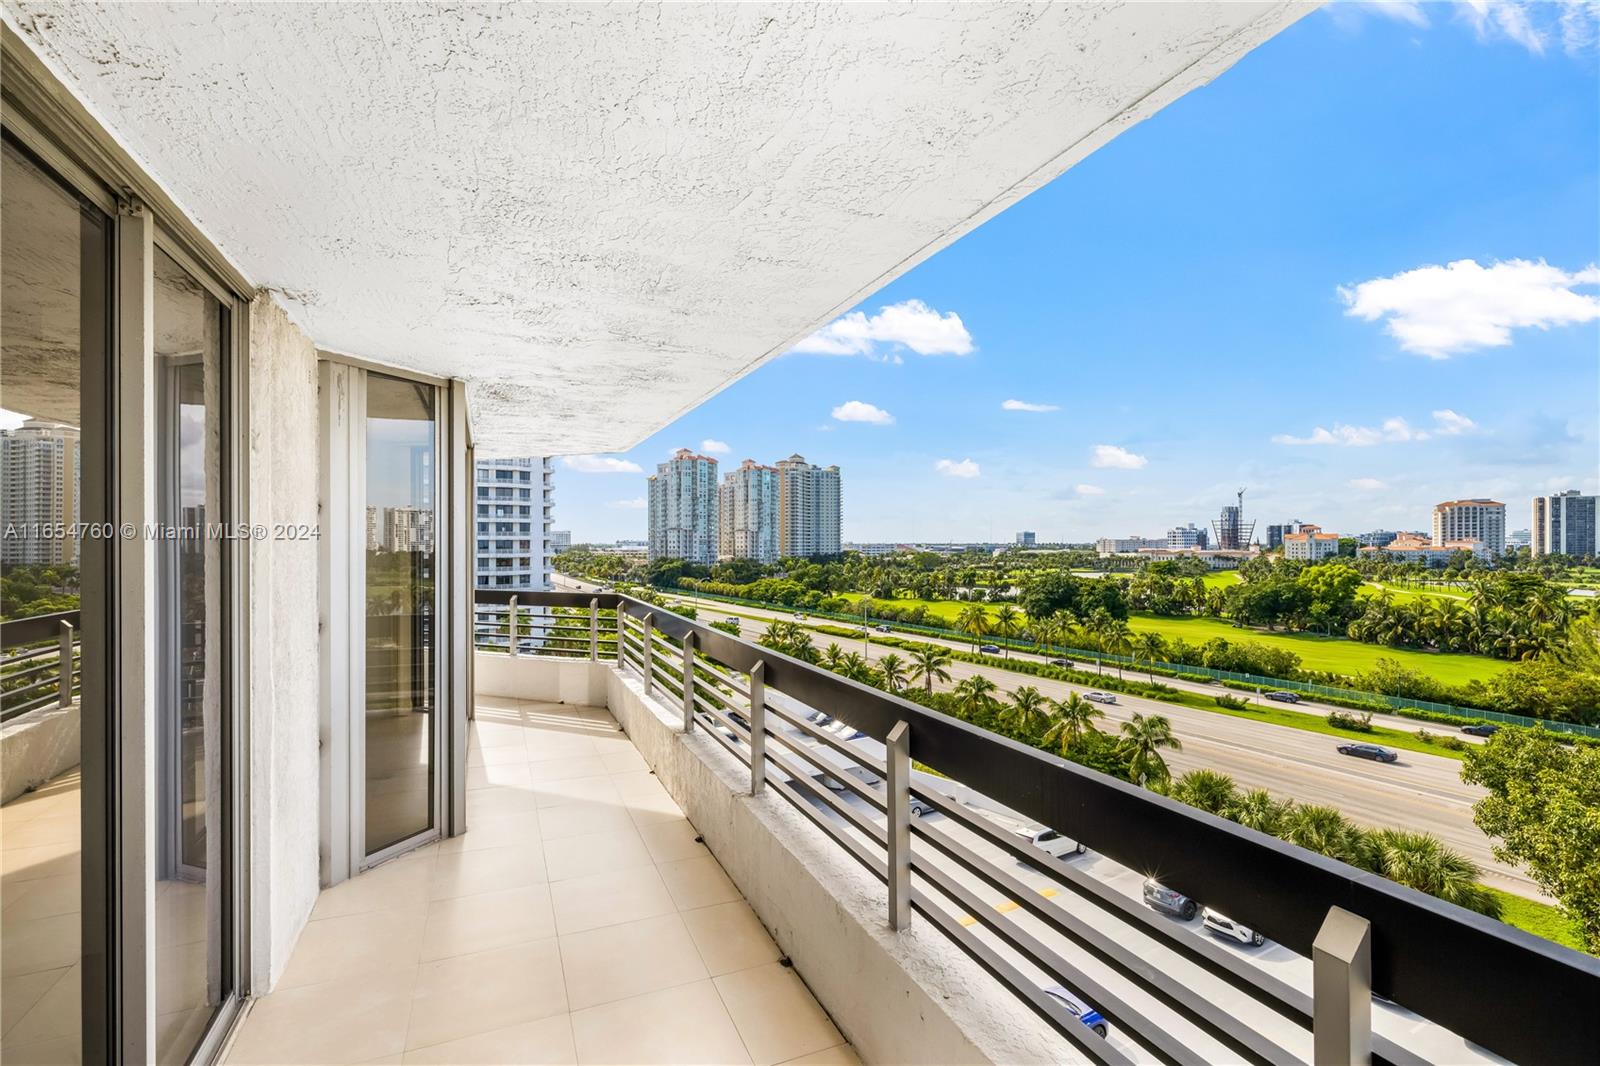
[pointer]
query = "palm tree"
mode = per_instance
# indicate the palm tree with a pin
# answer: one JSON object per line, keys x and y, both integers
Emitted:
{"x": 854, "y": 665}
{"x": 832, "y": 656}
{"x": 928, "y": 664}
{"x": 973, "y": 621}
{"x": 892, "y": 669}
{"x": 1149, "y": 647}
{"x": 1258, "y": 810}
{"x": 1326, "y": 831}
{"x": 1421, "y": 861}
{"x": 1046, "y": 634}
{"x": 975, "y": 694}
{"x": 1097, "y": 626}
{"x": 1006, "y": 623}
{"x": 1074, "y": 717}
{"x": 1143, "y": 738}
{"x": 1026, "y": 711}
{"x": 1212, "y": 792}
{"x": 1118, "y": 641}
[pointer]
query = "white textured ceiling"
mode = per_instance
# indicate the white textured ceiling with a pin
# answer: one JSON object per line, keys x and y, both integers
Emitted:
{"x": 600, "y": 215}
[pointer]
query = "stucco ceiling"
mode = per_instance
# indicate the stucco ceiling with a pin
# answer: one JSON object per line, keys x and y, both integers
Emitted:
{"x": 600, "y": 215}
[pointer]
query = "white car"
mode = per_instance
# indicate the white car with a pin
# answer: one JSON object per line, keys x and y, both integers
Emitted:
{"x": 1079, "y": 1009}
{"x": 1223, "y": 926}
{"x": 1100, "y": 697}
{"x": 1054, "y": 844}
{"x": 731, "y": 620}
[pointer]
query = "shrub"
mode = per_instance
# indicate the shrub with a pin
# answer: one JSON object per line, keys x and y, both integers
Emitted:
{"x": 1232, "y": 703}
{"x": 1361, "y": 723}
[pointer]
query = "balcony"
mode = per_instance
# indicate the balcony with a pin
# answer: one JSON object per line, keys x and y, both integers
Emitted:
{"x": 788, "y": 865}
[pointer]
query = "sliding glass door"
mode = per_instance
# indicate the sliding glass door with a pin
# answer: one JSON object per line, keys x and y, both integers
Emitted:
{"x": 402, "y": 648}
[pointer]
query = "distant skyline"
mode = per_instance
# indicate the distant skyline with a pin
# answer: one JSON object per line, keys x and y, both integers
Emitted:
{"x": 1356, "y": 275}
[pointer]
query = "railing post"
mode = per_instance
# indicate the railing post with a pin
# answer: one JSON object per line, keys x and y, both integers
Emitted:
{"x": 511, "y": 624}
{"x": 649, "y": 653}
{"x": 688, "y": 682}
{"x": 65, "y": 689}
{"x": 897, "y": 756}
{"x": 1341, "y": 990}
{"x": 758, "y": 728}
{"x": 594, "y": 630}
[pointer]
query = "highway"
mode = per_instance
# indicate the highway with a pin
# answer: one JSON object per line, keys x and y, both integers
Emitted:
{"x": 1419, "y": 792}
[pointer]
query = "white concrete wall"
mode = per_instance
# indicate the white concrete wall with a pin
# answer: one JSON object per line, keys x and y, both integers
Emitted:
{"x": 283, "y": 683}
{"x": 36, "y": 747}
{"x": 908, "y": 997}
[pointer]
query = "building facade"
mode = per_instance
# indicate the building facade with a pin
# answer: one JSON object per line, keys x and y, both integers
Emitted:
{"x": 1310, "y": 544}
{"x": 747, "y": 508}
{"x": 39, "y": 478}
{"x": 1564, "y": 524}
{"x": 1027, "y": 539}
{"x": 1276, "y": 531}
{"x": 1124, "y": 545}
{"x": 1420, "y": 549}
{"x": 513, "y": 501}
{"x": 1189, "y": 536}
{"x": 560, "y": 541}
{"x": 682, "y": 502}
{"x": 1480, "y": 520}
{"x": 809, "y": 509}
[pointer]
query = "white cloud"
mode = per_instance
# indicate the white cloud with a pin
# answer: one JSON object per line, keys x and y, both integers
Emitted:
{"x": 911, "y": 324}
{"x": 856, "y": 411}
{"x": 1440, "y": 311}
{"x": 1115, "y": 458}
{"x": 1089, "y": 490}
{"x": 1024, "y": 405}
{"x": 714, "y": 447}
{"x": 1446, "y": 423}
{"x": 635, "y": 504}
{"x": 600, "y": 464}
{"x": 1367, "y": 484}
{"x": 951, "y": 468}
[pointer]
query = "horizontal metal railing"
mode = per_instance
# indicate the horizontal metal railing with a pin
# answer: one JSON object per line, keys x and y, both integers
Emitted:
{"x": 41, "y": 663}
{"x": 1510, "y": 992}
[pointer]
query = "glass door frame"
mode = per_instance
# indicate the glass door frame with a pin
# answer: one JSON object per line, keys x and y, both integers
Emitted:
{"x": 342, "y": 402}
{"x": 120, "y": 766}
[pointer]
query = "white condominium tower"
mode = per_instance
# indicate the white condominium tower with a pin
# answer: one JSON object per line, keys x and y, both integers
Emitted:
{"x": 808, "y": 508}
{"x": 1480, "y": 520}
{"x": 1565, "y": 524}
{"x": 513, "y": 501}
{"x": 748, "y": 503}
{"x": 39, "y": 491}
{"x": 683, "y": 508}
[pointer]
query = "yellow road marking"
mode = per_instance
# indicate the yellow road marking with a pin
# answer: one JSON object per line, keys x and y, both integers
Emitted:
{"x": 1006, "y": 906}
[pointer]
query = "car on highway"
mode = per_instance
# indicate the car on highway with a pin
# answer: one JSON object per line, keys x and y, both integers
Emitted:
{"x": 1223, "y": 926}
{"x": 1283, "y": 697}
{"x": 1064, "y": 663}
{"x": 1100, "y": 697}
{"x": 1482, "y": 729}
{"x": 881, "y": 629}
{"x": 799, "y": 614}
{"x": 1079, "y": 1009}
{"x": 1368, "y": 751}
{"x": 989, "y": 649}
{"x": 871, "y": 780}
{"x": 731, "y": 620}
{"x": 1169, "y": 900}
{"x": 1054, "y": 844}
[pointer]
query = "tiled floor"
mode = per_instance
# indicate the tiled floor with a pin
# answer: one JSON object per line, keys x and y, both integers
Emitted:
{"x": 578, "y": 921}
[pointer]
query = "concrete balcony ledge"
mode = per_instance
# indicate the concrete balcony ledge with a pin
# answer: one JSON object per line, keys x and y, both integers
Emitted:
{"x": 911, "y": 996}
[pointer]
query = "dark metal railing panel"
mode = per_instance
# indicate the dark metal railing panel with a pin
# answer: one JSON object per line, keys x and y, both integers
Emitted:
{"x": 1438, "y": 960}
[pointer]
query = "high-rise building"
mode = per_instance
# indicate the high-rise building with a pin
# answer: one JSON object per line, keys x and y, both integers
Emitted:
{"x": 1564, "y": 524}
{"x": 1518, "y": 538}
{"x": 747, "y": 515}
{"x": 560, "y": 541}
{"x": 408, "y": 529}
{"x": 683, "y": 508}
{"x": 1027, "y": 539}
{"x": 1276, "y": 531}
{"x": 1189, "y": 536}
{"x": 513, "y": 499}
{"x": 1480, "y": 520}
{"x": 808, "y": 508}
{"x": 39, "y": 475}
{"x": 1233, "y": 532}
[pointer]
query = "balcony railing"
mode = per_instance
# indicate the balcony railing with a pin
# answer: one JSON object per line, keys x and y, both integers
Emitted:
{"x": 40, "y": 663}
{"x": 1182, "y": 998}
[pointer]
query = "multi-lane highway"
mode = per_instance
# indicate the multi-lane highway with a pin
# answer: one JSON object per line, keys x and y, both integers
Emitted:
{"x": 1419, "y": 792}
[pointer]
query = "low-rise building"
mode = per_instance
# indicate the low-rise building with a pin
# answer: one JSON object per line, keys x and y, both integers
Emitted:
{"x": 1189, "y": 536}
{"x": 1310, "y": 544}
{"x": 1416, "y": 548}
{"x": 1127, "y": 545}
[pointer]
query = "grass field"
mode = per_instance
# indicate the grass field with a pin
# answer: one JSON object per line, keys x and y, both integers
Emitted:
{"x": 1336, "y": 654}
{"x": 1540, "y": 919}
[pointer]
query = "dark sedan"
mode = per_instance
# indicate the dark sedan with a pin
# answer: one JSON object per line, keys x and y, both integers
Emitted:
{"x": 1482, "y": 730}
{"x": 1368, "y": 751}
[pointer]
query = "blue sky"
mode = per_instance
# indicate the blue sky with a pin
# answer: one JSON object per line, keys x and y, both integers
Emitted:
{"x": 1355, "y": 275}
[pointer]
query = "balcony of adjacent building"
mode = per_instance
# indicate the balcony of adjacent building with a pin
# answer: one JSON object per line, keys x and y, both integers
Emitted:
{"x": 783, "y": 865}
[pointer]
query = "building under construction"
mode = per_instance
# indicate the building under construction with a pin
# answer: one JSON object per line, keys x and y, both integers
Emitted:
{"x": 1233, "y": 532}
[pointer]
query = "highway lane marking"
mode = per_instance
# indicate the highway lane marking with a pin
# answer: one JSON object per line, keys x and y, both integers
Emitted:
{"x": 1007, "y": 906}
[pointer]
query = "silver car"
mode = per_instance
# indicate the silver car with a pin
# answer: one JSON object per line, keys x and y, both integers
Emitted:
{"x": 1079, "y": 1009}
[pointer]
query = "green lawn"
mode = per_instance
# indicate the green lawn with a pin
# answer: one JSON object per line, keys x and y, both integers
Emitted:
{"x": 1337, "y": 654}
{"x": 1540, "y": 919}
